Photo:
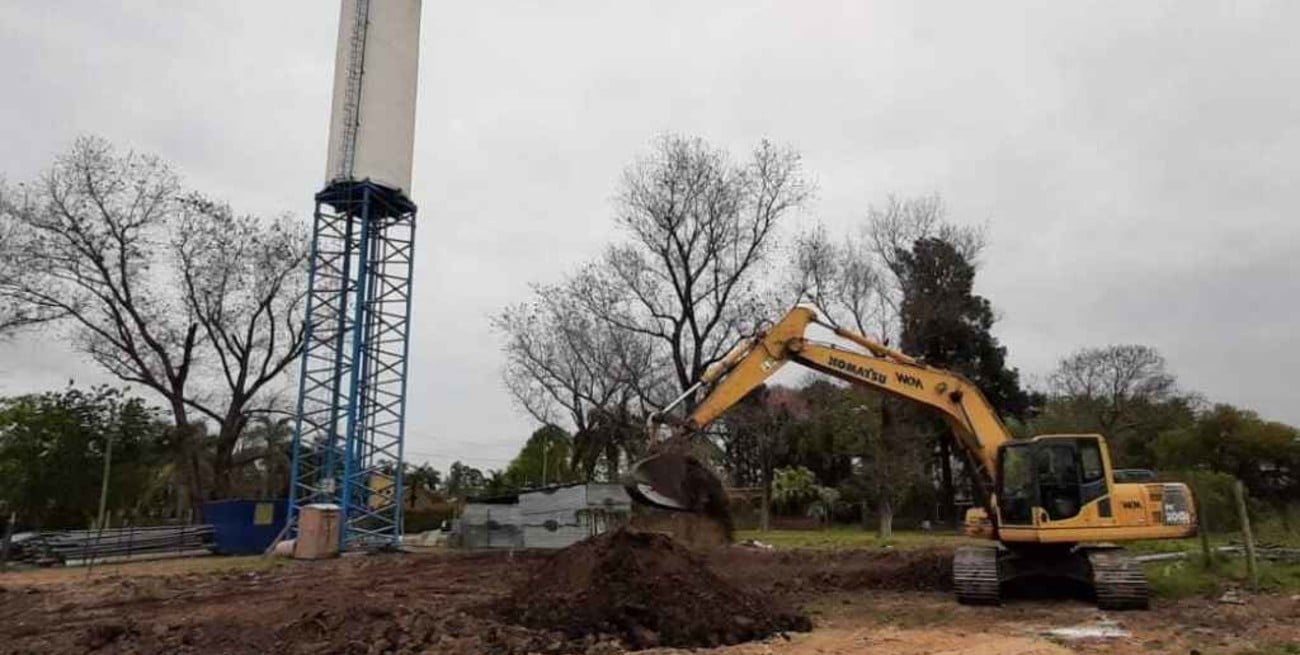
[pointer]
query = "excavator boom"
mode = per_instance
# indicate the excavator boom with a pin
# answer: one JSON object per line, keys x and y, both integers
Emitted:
{"x": 758, "y": 358}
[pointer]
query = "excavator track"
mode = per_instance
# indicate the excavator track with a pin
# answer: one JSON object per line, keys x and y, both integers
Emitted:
{"x": 1118, "y": 580}
{"x": 975, "y": 575}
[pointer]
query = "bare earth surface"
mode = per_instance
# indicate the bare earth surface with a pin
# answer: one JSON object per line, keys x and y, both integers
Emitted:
{"x": 911, "y": 623}
{"x": 859, "y": 602}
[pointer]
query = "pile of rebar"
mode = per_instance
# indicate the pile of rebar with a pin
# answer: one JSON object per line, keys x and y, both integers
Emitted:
{"x": 113, "y": 544}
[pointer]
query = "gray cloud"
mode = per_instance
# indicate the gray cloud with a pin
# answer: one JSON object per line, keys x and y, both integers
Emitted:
{"x": 1134, "y": 161}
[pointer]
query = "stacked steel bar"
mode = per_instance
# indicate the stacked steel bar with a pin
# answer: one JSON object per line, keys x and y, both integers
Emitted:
{"x": 74, "y": 546}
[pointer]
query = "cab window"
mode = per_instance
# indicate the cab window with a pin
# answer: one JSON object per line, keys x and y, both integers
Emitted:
{"x": 1018, "y": 492}
{"x": 1058, "y": 479}
{"x": 1093, "y": 473}
{"x": 1090, "y": 457}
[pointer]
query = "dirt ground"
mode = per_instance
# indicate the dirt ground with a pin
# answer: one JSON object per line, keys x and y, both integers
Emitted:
{"x": 911, "y": 623}
{"x": 860, "y": 602}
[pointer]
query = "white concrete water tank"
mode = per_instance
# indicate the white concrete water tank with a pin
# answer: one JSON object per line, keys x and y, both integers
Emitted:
{"x": 372, "y": 120}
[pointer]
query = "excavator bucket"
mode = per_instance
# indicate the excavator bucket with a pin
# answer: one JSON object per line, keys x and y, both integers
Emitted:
{"x": 658, "y": 480}
{"x": 677, "y": 481}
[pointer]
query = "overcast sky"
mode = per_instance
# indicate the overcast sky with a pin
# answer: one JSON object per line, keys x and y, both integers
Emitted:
{"x": 1136, "y": 162}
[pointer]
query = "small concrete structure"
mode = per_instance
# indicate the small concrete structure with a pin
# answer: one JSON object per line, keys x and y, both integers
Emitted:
{"x": 553, "y": 517}
{"x": 318, "y": 532}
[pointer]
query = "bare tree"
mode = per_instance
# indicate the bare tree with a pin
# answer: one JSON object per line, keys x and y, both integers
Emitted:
{"x": 244, "y": 282}
{"x": 892, "y": 230}
{"x": 14, "y": 314}
{"x": 83, "y": 238}
{"x": 849, "y": 284}
{"x": 155, "y": 284}
{"x": 843, "y": 280}
{"x": 889, "y": 234}
{"x": 857, "y": 282}
{"x": 565, "y": 366}
{"x": 701, "y": 226}
{"x": 562, "y": 363}
{"x": 1114, "y": 380}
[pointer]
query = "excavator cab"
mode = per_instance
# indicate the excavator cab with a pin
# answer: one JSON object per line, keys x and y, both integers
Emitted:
{"x": 1056, "y": 476}
{"x": 1062, "y": 489}
{"x": 1051, "y": 478}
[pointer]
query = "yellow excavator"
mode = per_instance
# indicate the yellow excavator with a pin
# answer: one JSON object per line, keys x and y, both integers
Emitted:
{"x": 1055, "y": 505}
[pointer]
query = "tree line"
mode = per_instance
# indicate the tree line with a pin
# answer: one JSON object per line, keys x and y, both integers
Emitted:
{"x": 57, "y": 447}
{"x": 200, "y": 307}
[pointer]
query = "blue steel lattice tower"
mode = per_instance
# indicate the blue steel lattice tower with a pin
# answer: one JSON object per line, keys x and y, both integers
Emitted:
{"x": 348, "y": 445}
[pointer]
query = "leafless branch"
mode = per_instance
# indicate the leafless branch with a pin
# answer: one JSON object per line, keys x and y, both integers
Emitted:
{"x": 700, "y": 227}
{"x": 88, "y": 244}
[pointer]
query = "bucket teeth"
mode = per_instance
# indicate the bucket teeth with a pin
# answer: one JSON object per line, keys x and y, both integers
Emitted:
{"x": 646, "y": 495}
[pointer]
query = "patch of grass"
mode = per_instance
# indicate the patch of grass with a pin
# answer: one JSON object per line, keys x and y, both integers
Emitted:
{"x": 1182, "y": 579}
{"x": 844, "y": 537}
{"x": 1191, "y": 578}
{"x": 1275, "y": 648}
{"x": 1278, "y": 577}
{"x": 1193, "y": 544}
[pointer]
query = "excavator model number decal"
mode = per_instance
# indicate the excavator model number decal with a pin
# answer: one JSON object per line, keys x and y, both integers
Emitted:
{"x": 909, "y": 380}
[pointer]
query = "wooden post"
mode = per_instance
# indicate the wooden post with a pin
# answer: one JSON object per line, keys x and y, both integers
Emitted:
{"x": 103, "y": 487}
{"x": 1203, "y": 529}
{"x": 1239, "y": 490}
{"x": 9, "y": 536}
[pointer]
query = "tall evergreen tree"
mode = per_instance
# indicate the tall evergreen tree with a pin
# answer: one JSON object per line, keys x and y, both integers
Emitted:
{"x": 948, "y": 325}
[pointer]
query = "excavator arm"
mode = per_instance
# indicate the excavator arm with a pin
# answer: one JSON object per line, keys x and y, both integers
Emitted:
{"x": 973, "y": 420}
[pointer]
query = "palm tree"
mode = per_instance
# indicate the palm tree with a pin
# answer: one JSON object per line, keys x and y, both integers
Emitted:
{"x": 265, "y": 444}
{"x": 422, "y": 480}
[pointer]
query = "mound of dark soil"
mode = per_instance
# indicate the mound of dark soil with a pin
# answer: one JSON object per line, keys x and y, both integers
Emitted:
{"x": 648, "y": 591}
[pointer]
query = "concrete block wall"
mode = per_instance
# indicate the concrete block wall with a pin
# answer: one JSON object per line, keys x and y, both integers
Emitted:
{"x": 549, "y": 518}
